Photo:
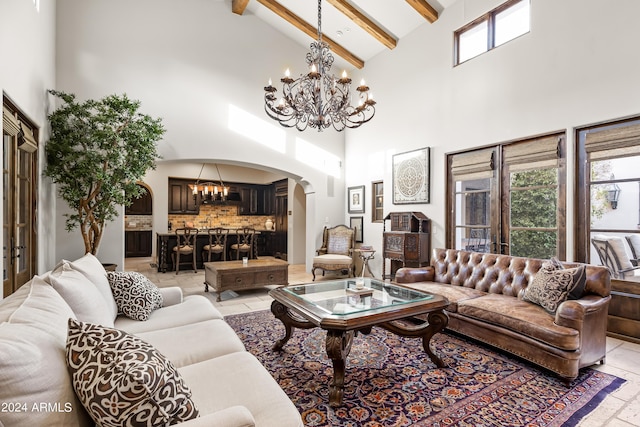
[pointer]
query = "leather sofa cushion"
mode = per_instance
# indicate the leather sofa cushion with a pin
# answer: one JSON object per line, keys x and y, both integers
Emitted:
{"x": 520, "y": 316}
{"x": 454, "y": 294}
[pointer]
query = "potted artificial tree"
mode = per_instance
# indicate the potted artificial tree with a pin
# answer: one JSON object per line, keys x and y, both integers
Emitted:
{"x": 97, "y": 151}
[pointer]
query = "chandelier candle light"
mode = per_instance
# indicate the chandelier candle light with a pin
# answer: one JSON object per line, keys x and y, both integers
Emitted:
{"x": 209, "y": 191}
{"x": 318, "y": 99}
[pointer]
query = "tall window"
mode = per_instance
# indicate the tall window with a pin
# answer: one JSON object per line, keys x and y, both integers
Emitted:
{"x": 509, "y": 199}
{"x": 491, "y": 30}
{"x": 608, "y": 197}
{"x": 19, "y": 145}
{"x": 472, "y": 175}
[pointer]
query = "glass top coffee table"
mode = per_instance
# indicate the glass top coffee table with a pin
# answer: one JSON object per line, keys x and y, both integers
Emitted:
{"x": 342, "y": 309}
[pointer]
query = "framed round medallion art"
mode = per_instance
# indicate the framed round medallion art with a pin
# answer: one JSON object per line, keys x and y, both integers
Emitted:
{"x": 411, "y": 172}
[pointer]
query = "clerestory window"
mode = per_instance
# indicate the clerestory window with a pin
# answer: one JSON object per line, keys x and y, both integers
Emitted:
{"x": 505, "y": 23}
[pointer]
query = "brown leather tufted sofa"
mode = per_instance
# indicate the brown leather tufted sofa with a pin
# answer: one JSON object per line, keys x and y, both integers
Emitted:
{"x": 485, "y": 295}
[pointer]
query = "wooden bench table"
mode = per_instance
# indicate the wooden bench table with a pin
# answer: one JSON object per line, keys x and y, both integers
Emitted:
{"x": 233, "y": 275}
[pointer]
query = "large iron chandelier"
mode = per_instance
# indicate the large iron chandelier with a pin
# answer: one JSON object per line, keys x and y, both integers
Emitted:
{"x": 319, "y": 99}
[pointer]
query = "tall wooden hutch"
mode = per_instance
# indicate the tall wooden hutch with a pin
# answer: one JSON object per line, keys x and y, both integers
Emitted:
{"x": 408, "y": 243}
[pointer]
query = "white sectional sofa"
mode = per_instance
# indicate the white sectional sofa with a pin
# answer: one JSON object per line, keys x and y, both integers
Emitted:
{"x": 228, "y": 385}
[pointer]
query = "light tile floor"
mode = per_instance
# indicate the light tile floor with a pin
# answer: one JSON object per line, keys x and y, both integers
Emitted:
{"x": 619, "y": 409}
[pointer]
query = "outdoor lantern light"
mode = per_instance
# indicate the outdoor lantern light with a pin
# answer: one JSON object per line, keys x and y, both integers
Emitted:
{"x": 613, "y": 194}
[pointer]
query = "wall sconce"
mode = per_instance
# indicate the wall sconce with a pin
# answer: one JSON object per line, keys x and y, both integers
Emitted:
{"x": 613, "y": 194}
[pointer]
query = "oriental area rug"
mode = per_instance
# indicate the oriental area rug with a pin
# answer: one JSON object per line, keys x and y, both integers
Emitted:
{"x": 390, "y": 381}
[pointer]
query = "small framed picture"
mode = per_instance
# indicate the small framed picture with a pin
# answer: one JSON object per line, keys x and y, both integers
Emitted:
{"x": 355, "y": 199}
{"x": 377, "y": 201}
{"x": 356, "y": 222}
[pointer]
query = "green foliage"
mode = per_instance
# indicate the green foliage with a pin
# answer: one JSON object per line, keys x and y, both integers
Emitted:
{"x": 97, "y": 151}
{"x": 534, "y": 205}
{"x": 600, "y": 170}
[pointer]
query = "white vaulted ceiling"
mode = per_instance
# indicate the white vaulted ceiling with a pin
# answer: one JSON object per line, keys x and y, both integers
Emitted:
{"x": 356, "y": 30}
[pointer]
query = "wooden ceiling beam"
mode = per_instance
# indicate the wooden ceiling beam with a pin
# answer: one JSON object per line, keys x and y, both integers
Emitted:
{"x": 424, "y": 9}
{"x": 311, "y": 31}
{"x": 365, "y": 23}
{"x": 238, "y": 6}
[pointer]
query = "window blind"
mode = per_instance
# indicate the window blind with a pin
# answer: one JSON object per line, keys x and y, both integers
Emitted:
{"x": 533, "y": 151}
{"x": 611, "y": 143}
{"x": 10, "y": 124}
{"x": 473, "y": 165}
{"x": 26, "y": 140}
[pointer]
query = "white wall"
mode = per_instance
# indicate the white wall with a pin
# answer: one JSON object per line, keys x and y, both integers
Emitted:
{"x": 578, "y": 65}
{"x": 27, "y": 49}
{"x": 195, "y": 64}
{"x": 188, "y": 61}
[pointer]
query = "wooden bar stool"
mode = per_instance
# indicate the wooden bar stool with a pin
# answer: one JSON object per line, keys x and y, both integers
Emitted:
{"x": 217, "y": 243}
{"x": 186, "y": 246}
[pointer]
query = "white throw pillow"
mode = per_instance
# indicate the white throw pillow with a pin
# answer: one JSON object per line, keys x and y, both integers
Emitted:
{"x": 83, "y": 297}
{"x": 92, "y": 268}
{"x": 33, "y": 371}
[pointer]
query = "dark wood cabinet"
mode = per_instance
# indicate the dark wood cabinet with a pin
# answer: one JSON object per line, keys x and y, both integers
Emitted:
{"x": 281, "y": 219}
{"x": 143, "y": 205}
{"x": 137, "y": 243}
{"x": 624, "y": 317}
{"x": 250, "y": 201}
{"x": 265, "y": 243}
{"x": 181, "y": 200}
{"x": 257, "y": 199}
{"x": 408, "y": 243}
{"x": 269, "y": 199}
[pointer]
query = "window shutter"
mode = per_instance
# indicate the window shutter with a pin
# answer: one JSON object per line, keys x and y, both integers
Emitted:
{"x": 473, "y": 165}
{"x": 10, "y": 124}
{"x": 612, "y": 143}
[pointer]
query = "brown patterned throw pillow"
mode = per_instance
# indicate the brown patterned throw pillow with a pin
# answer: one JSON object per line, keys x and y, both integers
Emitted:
{"x": 552, "y": 285}
{"x": 578, "y": 289}
{"x": 135, "y": 295}
{"x": 123, "y": 381}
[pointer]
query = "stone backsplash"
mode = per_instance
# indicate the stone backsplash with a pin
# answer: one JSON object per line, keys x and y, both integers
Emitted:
{"x": 219, "y": 216}
{"x": 138, "y": 222}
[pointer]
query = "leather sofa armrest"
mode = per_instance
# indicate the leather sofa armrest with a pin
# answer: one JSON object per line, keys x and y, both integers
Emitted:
{"x": 572, "y": 313}
{"x": 415, "y": 274}
{"x": 171, "y": 295}
{"x": 234, "y": 416}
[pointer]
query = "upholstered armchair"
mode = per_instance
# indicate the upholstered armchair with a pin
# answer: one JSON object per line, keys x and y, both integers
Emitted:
{"x": 336, "y": 253}
{"x": 634, "y": 244}
{"x": 615, "y": 257}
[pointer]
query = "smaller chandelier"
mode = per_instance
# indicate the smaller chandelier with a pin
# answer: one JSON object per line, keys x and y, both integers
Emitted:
{"x": 319, "y": 99}
{"x": 209, "y": 191}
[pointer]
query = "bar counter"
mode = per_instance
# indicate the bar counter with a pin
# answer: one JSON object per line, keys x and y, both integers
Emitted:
{"x": 167, "y": 241}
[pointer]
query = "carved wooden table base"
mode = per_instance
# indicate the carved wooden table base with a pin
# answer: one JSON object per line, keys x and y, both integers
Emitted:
{"x": 338, "y": 343}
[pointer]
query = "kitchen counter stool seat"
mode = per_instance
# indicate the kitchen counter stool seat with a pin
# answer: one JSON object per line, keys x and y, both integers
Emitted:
{"x": 186, "y": 247}
{"x": 217, "y": 244}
